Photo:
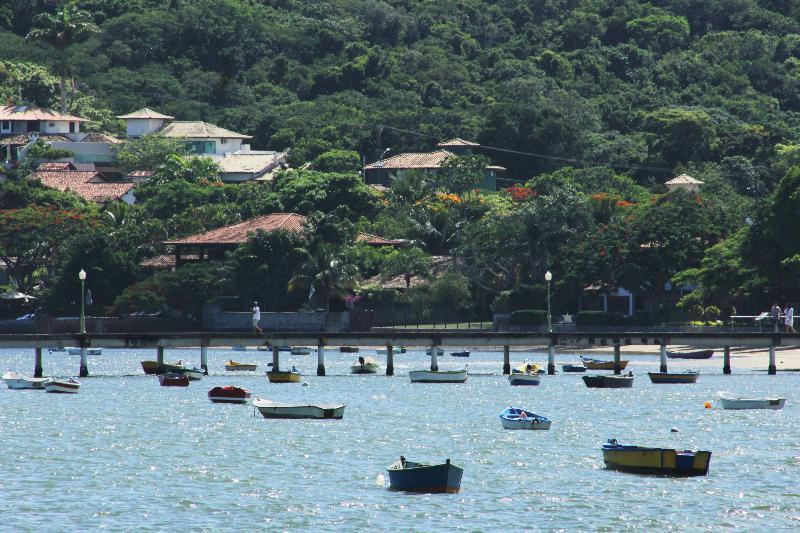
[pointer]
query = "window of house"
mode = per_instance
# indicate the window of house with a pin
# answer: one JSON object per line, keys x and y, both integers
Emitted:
{"x": 223, "y": 141}
{"x": 52, "y": 124}
{"x": 201, "y": 147}
{"x": 6, "y": 125}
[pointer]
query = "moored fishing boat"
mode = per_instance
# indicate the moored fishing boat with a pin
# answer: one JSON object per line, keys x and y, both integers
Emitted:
{"x": 300, "y": 350}
{"x": 64, "y": 386}
{"x": 384, "y": 351}
{"x": 418, "y": 477}
{"x": 284, "y": 376}
{"x": 573, "y": 368}
{"x": 153, "y": 368}
{"x": 270, "y": 409}
{"x": 674, "y": 377}
{"x": 365, "y": 365}
{"x": 193, "y": 373}
{"x": 89, "y": 351}
{"x": 527, "y": 374}
{"x": 658, "y": 461}
{"x": 598, "y": 364}
{"x": 514, "y": 418}
{"x": 729, "y": 401}
{"x": 463, "y": 353}
{"x": 609, "y": 382}
{"x": 229, "y": 394}
{"x": 348, "y": 349}
{"x": 233, "y": 366}
{"x": 698, "y": 354}
{"x": 173, "y": 379}
{"x": 438, "y": 376}
{"x": 15, "y": 380}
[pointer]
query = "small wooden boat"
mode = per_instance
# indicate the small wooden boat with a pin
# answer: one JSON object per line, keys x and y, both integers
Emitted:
{"x": 18, "y": 381}
{"x": 365, "y": 366}
{"x": 674, "y": 377}
{"x": 348, "y": 349}
{"x": 173, "y": 379}
{"x": 193, "y": 373}
{"x": 527, "y": 374}
{"x": 233, "y": 366}
{"x": 464, "y": 353}
{"x": 284, "y": 348}
{"x": 729, "y": 401}
{"x": 513, "y": 418}
{"x": 699, "y": 354}
{"x": 438, "y": 376}
{"x": 270, "y": 409}
{"x": 598, "y": 364}
{"x": 439, "y": 351}
{"x": 609, "y": 381}
{"x": 573, "y": 368}
{"x": 153, "y": 368}
{"x": 657, "y": 461}
{"x": 73, "y": 350}
{"x": 300, "y": 351}
{"x": 284, "y": 376}
{"x": 229, "y": 394}
{"x": 263, "y": 348}
{"x": 417, "y": 477}
{"x": 69, "y": 386}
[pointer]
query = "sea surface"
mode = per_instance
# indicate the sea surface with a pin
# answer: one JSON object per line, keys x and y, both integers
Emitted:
{"x": 128, "y": 454}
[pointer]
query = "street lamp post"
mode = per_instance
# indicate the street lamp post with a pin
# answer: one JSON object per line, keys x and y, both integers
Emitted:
{"x": 548, "y": 277}
{"x": 551, "y": 349}
{"x": 82, "y": 277}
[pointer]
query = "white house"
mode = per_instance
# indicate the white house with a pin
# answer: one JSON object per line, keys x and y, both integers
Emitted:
{"x": 684, "y": 181}
{"x": 16, "y": 119}
{"x": 204, "y": 138}
{"x": 248, "y": 165}
{"x": 144, "y": 121}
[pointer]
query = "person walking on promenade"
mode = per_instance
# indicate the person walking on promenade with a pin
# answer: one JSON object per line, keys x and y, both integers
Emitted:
{"x": 775, "y": 314}
{"x": 256, "y": 318}
{"x": 788, "y": 321}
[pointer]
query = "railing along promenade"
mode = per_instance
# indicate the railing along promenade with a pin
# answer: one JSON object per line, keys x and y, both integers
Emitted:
{"x": 395, "y": 338}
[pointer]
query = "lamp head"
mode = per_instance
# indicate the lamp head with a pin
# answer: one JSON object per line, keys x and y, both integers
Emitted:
{"x": 548, "y": 276}
{"x": 82, "y": 275}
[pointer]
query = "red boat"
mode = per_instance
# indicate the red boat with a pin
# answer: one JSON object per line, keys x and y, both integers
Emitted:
{"x": 229, "y": 394}
{"x": 171, "y": 379}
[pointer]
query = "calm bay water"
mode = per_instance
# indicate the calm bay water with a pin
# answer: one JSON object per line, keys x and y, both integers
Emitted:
{"x": 126, "y": 453}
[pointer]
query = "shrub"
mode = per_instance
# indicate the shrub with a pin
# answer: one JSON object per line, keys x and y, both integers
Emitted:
{"x": 711, "y": 312}
{"x": 529, "y": 317}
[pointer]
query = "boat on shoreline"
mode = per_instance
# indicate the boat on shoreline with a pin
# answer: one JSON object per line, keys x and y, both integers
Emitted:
{"x": 729, "y": 401}
{"x": 438, "y": 376}
{"x": 514, "y": 418}
{"x": 384, "y": 351}
{"x": 300, "y": 350}
{"x": 609, "y": 381}
{"x": 17, "y": 381}
{"x": 229, "y": 394}
{"x": 69, "y": 386}
{"x": 233, "y": 366}
{"x": 463, "y": 353}
{"x": 73, "y": 350}
{"x": 349, "y": 349}
{"x": 698, "y": 354}
{"x": 418, "y": 477}
{"x": 674, "y": 377}
{"x": 270, "y": 409}
{"x": 599, "y": 364}
{"x": 655, "y": 461}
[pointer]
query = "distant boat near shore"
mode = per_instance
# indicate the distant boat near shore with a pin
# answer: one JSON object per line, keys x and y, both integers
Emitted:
{"x": 729, "y": 401}
{"x": 699, "y": 354}
{"x": 598, "y": 364}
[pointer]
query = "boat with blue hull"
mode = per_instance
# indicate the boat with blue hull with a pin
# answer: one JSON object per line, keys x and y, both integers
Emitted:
{"x": 515, "y": 418}
{"x": 655, "y": 461}
{"x": 573, "y": 368}
{"x": 418, "y": 477}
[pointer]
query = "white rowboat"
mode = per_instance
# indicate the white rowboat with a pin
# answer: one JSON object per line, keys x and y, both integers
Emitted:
{"x": 270, "y": 409}
{"x": 438, "y": 376}
{"x": 728, "y": 401}
{"x": 15, "y": 380}
{"x": 524, "y": 379}
{"x": 70, "y": 386}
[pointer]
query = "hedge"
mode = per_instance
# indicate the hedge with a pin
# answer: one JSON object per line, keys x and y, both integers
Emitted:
{"x": 529, "y": 317}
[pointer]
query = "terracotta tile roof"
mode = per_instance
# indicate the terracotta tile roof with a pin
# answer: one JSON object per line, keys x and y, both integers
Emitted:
{"x": 375, "y": 240}
{"x": 439, "y": 264}
{"x": 238, "y": 233}
{"x": 100, "y": 138}
{"x": 103, "y": 192}
{"x": 454, "y": 143}
{"x": 52, "y": 178}
{"x": 25, "y": 138}
{"x": 145, "y": 113}
{"x": 421, "y": 160}
{"x": 198, "y": 130}
{"x": 165, "y": 261}
{"x": 87, "y": 184}
{"x": 684, "y": 179}
{"x": 54, "y": 166}
{"x": 247, "y": 163}
{"x": 27, "y": 112}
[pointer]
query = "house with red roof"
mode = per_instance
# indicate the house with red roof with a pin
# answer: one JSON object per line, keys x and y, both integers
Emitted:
{"x": 88, "y": 184}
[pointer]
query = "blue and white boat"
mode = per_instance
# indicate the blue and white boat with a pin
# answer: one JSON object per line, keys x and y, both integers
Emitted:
{"x": 514, "y": 418}
{"x": 417, "y": 477}
{"x": 527, "y": 374}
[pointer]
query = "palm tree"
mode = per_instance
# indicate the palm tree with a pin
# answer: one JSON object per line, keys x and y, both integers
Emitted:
{"x": 60, "y": 30}
{"x": 327, "y": 272}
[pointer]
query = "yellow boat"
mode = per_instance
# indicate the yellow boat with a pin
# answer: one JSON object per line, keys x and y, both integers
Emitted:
{"x": 284, "y": 376}
{"x": 232, "y": 366}
{"x": 658, "y": 461}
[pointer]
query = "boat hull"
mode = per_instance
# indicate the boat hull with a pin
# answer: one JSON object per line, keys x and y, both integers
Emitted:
{"x": 439, "y": 352}
{"x": 512, "y": 418}
{"x": 89, "y": 351}
{"x": 524, "y": 379}
{"x": 245, "y": 367}
{"x": 752, "y": 403}
{"x": 432, "y": 479}
{"x": 602, "y": 365}
{"x": 62, "y": 387}
{"x": 366, "y": 369}
{"x": 431, "y": 376}
{"x": 679, "y": 377}
{"x": 228, "y": 395}
{"x": 194, "y": 374}
{"x": 699, "y": 354}
{"x": 281, "y": 376}
{"x": 608, "y": 382}
{"x": 153, "y": 368}
{"x": 173, "y": 380}
{"x": 459, "y": 354}
{"x": 348, "y": 349}
{"x": 573, "y": 368}
{"x": 270, "y": 409}
{"x": 18, "y": 381}
{"x": 656, "y": 461}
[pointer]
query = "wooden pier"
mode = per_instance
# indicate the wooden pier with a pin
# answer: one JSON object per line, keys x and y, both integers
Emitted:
{"x": 434, "y": 339}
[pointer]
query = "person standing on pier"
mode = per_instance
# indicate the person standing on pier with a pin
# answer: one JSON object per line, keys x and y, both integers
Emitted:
{"x": 788, "y": 321}
{"x": 775, "y": 314}
{"x": 256, "y": 318}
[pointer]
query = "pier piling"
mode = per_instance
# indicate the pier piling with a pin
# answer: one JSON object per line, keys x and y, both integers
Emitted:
{"x": 434, "y": 353}
{"x": 84, "y": 370}
{"x": 506, "y": 360}
{"x": 320, "y": 359}
{"x": 663, "y": 366}
{"x": 204, "y": 357}
{"x": 160, "y": 356}
{"x": 389, "y": 360}
{"x": 551, "y": 359}
{"x": 772, "y": 369}
{"x": 37, "y": 363}
{"x": 275, "y": 358}
{"x": 726, "y": 360}
{"x": 617, "y": 369}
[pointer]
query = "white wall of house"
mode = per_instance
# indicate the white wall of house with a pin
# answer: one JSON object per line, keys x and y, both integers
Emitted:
{"x": 137, "y": 127}
{"x": 129, "y": 198}
{"x": 221, "y": 146}
{"x": 87, "y": 152}
{"x": 59, "y": 126}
